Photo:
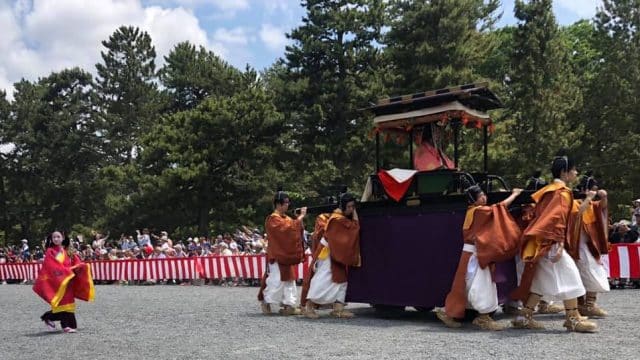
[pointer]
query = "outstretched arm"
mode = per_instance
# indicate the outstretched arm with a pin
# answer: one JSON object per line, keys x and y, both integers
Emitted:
{"x": 514, "y": 194}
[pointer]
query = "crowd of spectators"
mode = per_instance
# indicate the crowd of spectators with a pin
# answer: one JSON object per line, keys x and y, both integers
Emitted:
{"x": 627, "y": 231}
{"x": 149, "y": 245}
{"x": 145, "y": 244}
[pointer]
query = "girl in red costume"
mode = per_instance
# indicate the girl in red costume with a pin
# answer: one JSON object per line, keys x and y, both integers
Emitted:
{"x": 62, "y": 278}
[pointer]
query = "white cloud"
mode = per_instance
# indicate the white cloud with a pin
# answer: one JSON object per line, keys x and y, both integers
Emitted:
{"x": 236, "y": 36}
{"x": 273, "y": 37}
{"x": 225, "y": 5}
{"x": 273, "y": 6}
{"x": 224, "y": 9}
{"x": 49, "y": 35}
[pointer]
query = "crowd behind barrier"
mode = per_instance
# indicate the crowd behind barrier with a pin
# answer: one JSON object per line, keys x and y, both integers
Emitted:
{"x": 241, "y": 268}
{"x": 146, "y": 258}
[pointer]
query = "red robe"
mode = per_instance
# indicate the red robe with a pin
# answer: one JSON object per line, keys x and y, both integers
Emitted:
{"x": 62, "y": 279}
{"x": 496, "y": 236}
{"x": 550, "y": 225}
{"x": 428, "y": 158}
{"x": 284, "y": 246}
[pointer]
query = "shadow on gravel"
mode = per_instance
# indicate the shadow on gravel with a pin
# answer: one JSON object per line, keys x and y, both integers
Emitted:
{"x": 43, "y": 334}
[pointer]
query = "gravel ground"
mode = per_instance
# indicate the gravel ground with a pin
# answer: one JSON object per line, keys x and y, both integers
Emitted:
{"x": 207, "y": 322}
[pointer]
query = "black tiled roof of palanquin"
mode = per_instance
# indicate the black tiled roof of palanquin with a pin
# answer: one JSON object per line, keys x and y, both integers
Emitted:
{"x": 475, "y": 96}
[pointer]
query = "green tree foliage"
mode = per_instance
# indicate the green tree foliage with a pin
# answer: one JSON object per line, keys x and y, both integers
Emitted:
{"x": 128, "y": 95}
{"x": 611, "y": 109}
{"x": 329, "y": 72}
{"x": 211, "y": 164}
{"x": 5, "y": 111}
{"x": 201, "y": 145}
{"x": 52, "y": 127}
{"x": 130, "y": 104}
{"x": 543, "y": 93}
{"x": 434, "y": 44}
{"x": 191, "y": 75}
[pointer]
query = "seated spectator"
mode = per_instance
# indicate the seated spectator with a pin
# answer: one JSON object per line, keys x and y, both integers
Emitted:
{"x": 38, "y": 255}
{"x": 158, "y": 253}
{"x": 179, "y": 251}
{"x": 224, "y": 249}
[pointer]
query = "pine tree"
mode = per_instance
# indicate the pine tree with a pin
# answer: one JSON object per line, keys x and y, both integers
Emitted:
{"x": 57, "y": 152}
{"x": 191, "y": 75}
{"x": 329, "y": 72}
{"x": 434, "y": 44}
{"x": 128, "y": 94}
{"x": 543, "y": 90}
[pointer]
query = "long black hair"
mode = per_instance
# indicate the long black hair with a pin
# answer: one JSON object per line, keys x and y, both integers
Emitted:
{"x": 345, "y": 199}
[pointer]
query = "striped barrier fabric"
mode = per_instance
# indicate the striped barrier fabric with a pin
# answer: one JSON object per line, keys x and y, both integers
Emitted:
{"x": 623, "y": 262}
{"x": 210, "y": 267}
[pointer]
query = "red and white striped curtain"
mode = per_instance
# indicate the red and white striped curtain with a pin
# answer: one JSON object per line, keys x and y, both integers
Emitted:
{"x": 623, "y": 262}
{"x": 213, "y": 267}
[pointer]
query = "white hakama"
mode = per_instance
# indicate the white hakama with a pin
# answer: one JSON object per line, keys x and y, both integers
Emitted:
{"x": 557, "y": 281}
{"x": 595, "y": 276}
{"x": 482, "y": 293}
{"x": 279, "y": 292}
{"x": 322, "y": 289}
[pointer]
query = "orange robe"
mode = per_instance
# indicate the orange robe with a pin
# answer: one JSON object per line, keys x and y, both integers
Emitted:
{"x": 550, "y": 225}
{"x": 284, "y": 246}
{"x": 62, "y": 279}
{"x": 343, "y": 236}
{"x": 593, "y": 222}
{"x": 496, "y": 236}
{"x": 318, "y": 231}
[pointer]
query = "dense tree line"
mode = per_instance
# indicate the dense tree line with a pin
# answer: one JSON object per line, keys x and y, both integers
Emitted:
{"x": 197, "y": 144}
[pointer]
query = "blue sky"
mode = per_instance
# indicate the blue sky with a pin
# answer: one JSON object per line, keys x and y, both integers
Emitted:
{"x": 41, "y": 36}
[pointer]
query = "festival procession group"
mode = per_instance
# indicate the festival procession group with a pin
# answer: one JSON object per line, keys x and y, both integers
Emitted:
{"x": 557, "y": 243}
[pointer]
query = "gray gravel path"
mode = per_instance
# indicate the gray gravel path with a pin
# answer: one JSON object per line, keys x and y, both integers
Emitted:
{"x": 207, "y": 322}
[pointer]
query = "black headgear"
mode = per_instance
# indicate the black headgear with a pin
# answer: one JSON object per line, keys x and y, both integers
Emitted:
{"x": 536, "y": 182}
{"x": 587, "y": 182}
{"x": 562, "y": 162}
{"x": 472, "y": 193}
{"x": 280, "y": 196}
{"x": 345, "y": 199}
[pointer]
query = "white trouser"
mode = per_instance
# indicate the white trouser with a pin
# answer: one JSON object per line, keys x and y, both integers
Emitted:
{"x": 279, "y": 292}
{"x": 482, "y": 293}
{"x": 322, "y": 289}
{"x": 594, "y": 276}
{"x": 559, "y": 280}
